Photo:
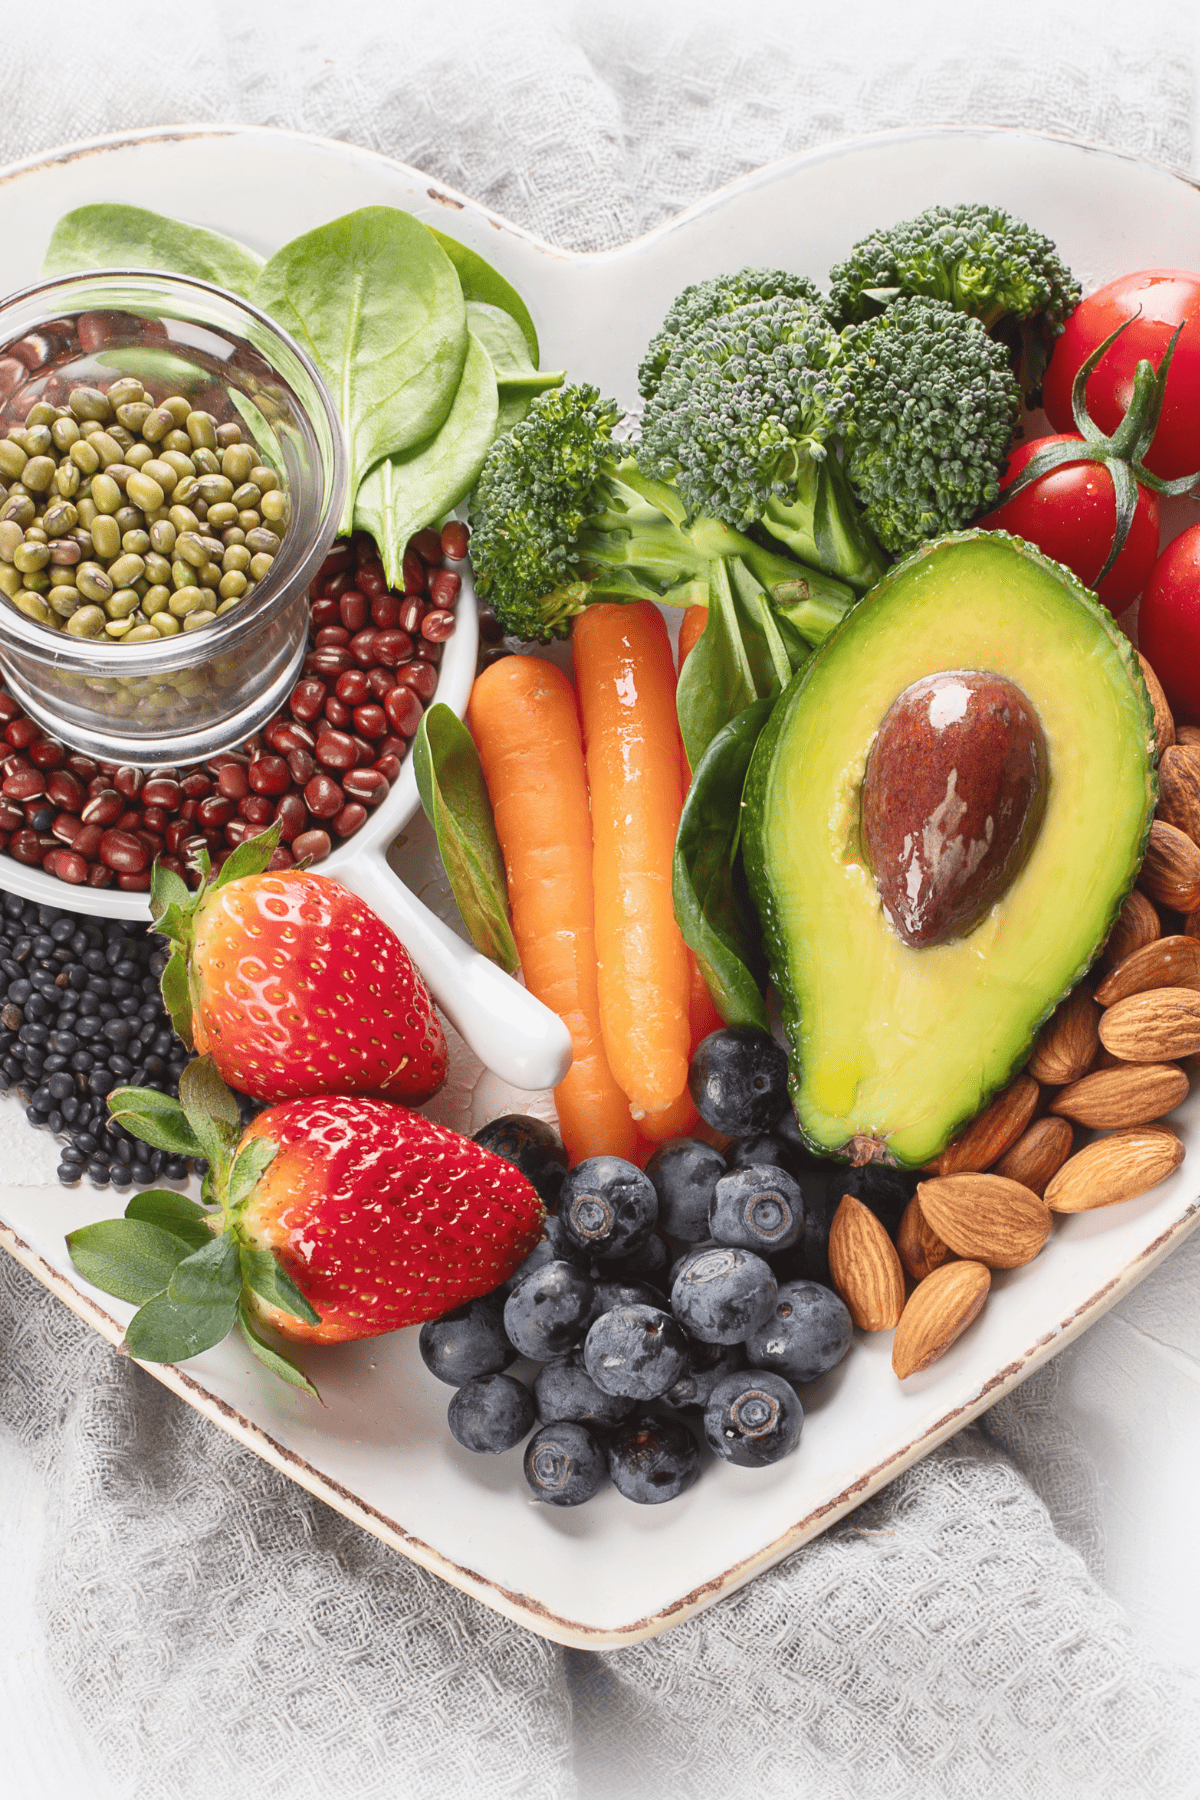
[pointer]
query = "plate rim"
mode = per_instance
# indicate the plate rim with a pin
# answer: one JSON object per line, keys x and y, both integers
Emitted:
{"x": 527, "y": 1610}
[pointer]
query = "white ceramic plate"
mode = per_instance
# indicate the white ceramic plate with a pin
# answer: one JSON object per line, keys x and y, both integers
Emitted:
{"x": 611, "y": 1573}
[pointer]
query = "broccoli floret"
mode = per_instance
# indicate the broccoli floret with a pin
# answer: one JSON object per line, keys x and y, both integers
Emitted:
{"x": 561, "y": 516}
{"x": 706, "y": 300}
{"x": 745, "y": 421}
{"x": 931, "y": 421}
{"x": 980, "y": 260}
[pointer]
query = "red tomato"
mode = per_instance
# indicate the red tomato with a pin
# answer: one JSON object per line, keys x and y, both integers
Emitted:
{"x": 1166, "y": 298}
{"x": 1169, "y": 622}
{"x": 1071, "y": 514}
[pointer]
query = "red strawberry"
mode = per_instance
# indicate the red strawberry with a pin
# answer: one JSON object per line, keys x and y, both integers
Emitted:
{"x": 294, "y": 986}
{"x": 380, "y": 1217}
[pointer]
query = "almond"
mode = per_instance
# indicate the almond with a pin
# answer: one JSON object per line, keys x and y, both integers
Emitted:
{"x": 1179, "y": 790}
{"x": 1171, "y": 872}
{"x": 986, "y": 1218}
{"x": 864, "y": 1267}
{"x": 1115, "y": 1168}
{"x": 1164, "y": 724}
{"x": 1191, "y": 925}
{"x": 1157, "y": 1026}
{"x": 1137, "y": 924}
{"x": 920, "y": 1248}
{"x": 1067, "y": 1043}
{"x": 1168, "y": 962}
{"x": 1036, "y": 1155}
{"x": 997, "y": 1127}
{"x": 1188, "y": 735}
{"x": 1131, "y": 1095}
{"x": 938, "y": 1312}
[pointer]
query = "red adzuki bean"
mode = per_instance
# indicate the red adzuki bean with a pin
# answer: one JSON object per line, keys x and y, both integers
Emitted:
{"x": 323, "y": 798}
{"x": 316, "y": 845}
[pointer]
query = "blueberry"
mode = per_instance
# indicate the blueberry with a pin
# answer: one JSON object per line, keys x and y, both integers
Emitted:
{"x": 549, "y": 1248}
{"x": 706, "y": 1365}
{"x": 738, "y": 1080}
{"x": 772, "y": 1148}
{"x": 563, "y": 1389}
{"x": 564, "y": 1465}
{"x": 753, "y": 1418}
{"x": 886, "y": 1192}
{"x": 468, "y": 1342}
{"x": 721, "y": 1295}
{"x": 649, "y": 1262}
{"x": 684, "y": 1256}
{"x": 491, "y": 1413}
{"x": 684, "y": 1172}
{"x": 530, "y": 1146}
{"x": 549, "y": 1311}
{"x": 607, "y": 1207}
{"x": 808, "y": 1334}
{"x": 651, "y": 1460}
{"x": 635, "y": 1350}
{"x": 757, "y": 1208}
{"x": 610, "y": 1294}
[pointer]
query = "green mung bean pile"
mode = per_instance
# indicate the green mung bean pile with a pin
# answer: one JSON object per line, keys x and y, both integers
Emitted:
{"x": 131, "y": 519}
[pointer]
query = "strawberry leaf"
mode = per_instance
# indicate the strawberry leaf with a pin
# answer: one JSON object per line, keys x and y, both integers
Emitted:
{"x": 177, "y": 997}
{"x": 168, "y": 892}
{"x": 155, "y": 1118}
{"x": 130, "y": 1258}
{"x": 174, "y": 1213}
{"x": 166, "y": 1330}
{"x": 212, "y": 1112}
{"x": 208, "y": 1277}
{"x": 251, "y": 856}
{"x": 274, "y": 1359}
{"x": 264, "y": 1277}
{"x": 249, "y": 1165}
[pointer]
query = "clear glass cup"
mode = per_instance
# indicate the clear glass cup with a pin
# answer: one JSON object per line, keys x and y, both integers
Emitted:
{"x": 189, "y": 696}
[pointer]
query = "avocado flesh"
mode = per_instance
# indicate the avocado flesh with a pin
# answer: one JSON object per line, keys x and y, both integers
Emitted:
{"x": 894, "y": 1048}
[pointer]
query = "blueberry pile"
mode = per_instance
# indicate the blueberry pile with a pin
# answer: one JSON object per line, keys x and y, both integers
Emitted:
{"x": 684, "y": 1303}
{"x": 81, "y": 1014}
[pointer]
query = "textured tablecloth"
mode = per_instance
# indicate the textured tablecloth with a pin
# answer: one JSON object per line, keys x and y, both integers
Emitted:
{"x": 1010, "y": 1618}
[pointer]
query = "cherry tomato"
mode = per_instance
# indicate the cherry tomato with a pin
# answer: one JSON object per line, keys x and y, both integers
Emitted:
{"x": 1157, "y": 300}
{"x": 1071, "y": 515}
{"x": 1169, "y": 622}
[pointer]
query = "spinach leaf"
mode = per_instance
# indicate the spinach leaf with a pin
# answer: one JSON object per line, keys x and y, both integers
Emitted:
{"x": 111, "y": 236}
{"x": 455, "y": 797}
{"x": 377, "y": 304}
{"x": 480, "y": 282}
{"x": 420, "y": 486}
{"x": 516, "y": 377}
{"x": 707, "y": 884}
{"x": 746, "y": 653}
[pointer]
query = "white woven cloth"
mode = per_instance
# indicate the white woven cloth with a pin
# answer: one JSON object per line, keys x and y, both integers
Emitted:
{"x": 183, "y": 1623}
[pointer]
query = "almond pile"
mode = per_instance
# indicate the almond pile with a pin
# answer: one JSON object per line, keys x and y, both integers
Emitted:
{"x": 1113, "y": 1059}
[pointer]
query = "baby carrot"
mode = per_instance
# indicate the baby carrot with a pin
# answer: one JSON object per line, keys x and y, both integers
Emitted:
{"x": 523, "y": 717}
{"x": 691, "y": 630}
{"x": 626, "y": 680}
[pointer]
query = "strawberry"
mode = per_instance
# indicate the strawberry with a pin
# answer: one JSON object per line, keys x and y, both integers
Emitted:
{"x": 327, "y": 1218}
{"x": 293, "y": 985}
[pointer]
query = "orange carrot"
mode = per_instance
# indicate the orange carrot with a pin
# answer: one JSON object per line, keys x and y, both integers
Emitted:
{"x": 523, "y": 717}
{"x": 691, "y": 630}
{"x": 626, "y": 680}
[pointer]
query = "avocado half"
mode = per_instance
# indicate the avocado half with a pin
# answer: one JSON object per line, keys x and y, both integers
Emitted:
{"x": 893, "y": 1048}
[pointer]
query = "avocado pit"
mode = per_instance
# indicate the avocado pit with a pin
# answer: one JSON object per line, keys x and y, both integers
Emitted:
{"x": 952, "y": 801}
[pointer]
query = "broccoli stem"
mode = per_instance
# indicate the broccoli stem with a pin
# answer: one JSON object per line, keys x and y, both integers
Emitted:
{"x": 822, "y": 525}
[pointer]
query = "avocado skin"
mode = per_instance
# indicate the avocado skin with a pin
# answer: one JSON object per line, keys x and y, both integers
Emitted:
{"x": 855, "y": 1146}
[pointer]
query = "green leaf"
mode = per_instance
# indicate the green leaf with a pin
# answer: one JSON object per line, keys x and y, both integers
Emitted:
{"x": 271, "y": 1283}
{"x": 250, "y": 857}
{"x": 455, "y": 797}
{"x": 212, "y": 1112}
{"x": 517, "y": 378}
{"x": 130, "y": 1258}
{"x": 248, "y": 1166}
{"x": 113, "y": 236}
{"x": 177, "y": 997}
{"x": 274, "y": 1359}
{"x": 168, "y": 891}
{"x": 210, "y": 1276}
{"x": 483, "y": 285}
{"x": 174, "y": 1213}
{"x": 166, "y": 1330}
{"x": 748, "y": 651}
{"x": 378, "y": 305}
{"x": 420, "y": 486}
{"x": 156, "y": 1118}
{"x": 707, "y": 886}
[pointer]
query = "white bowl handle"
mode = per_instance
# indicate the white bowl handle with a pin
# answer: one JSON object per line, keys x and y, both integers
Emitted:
{"x": 509, "y": 1030}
